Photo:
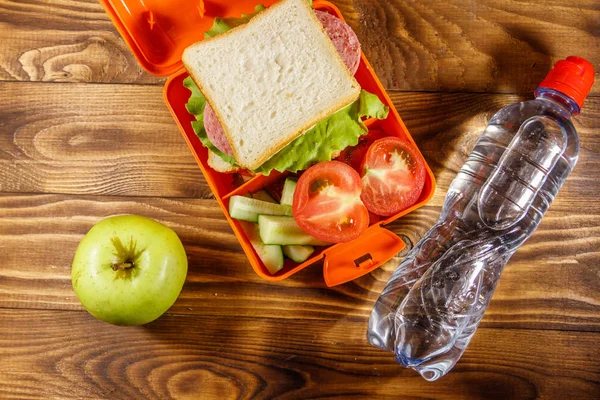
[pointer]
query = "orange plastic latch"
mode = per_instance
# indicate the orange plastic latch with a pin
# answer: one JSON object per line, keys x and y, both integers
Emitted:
{"x": 354, "y": 259}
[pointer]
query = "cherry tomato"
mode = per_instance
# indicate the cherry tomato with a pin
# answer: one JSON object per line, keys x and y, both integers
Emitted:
{"x": 393, "y": 176}
{"x": 327, "y": 203}
{"x": 353, "y": 156}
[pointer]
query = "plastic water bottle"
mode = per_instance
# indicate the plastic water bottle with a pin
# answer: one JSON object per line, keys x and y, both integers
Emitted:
{"x": 436, "y": 298}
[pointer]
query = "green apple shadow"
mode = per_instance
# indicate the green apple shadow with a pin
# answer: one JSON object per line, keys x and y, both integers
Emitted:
{"x": 223, "y": 297}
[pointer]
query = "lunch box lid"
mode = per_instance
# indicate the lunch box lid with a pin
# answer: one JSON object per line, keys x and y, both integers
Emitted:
{"x": 158, "y": 31}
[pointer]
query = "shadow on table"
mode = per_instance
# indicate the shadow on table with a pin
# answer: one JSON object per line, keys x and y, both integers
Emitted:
{"x": 447, "y": 125}
{"x": 231, "y": 322}
{"x": 223, "y": 357}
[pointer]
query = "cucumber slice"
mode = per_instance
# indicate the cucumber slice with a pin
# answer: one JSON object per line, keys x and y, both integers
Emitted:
{"x": 298, "y": 253}
{"x": 263, "y": 195}
{"x": 270, "y": 254}
{"x": 287, "y": 196}
{"x": 248, "y": 209}
{"x": 285, "y": 231}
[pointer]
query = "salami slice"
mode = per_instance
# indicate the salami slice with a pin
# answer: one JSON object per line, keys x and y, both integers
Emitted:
{"x": 346, "y": 43}
{"x": 214, "y": 131}
{"x": 344, "y": 39}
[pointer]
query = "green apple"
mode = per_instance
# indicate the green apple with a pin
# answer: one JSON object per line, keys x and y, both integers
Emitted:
{"x": 129, "y": 270}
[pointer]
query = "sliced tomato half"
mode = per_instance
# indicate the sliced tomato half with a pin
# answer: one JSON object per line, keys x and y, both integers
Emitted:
{"x": 393, "y": 176}
{"x": 327, "y": 203}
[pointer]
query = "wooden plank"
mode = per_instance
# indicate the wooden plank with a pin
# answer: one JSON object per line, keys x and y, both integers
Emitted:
{"x": 64, "y": 41}
{"x": 112, "y": 149}
{"x": 551, "y": 283}
{"x": 44, "y": 355}
{"x": 94, "y": 139}
{"x": 493, "y": 46}
{"x": 447, "y": 126}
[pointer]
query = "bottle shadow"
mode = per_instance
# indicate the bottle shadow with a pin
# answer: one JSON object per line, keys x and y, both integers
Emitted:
{"x": 447, "y": 125}
{"x": 223, "y": 296}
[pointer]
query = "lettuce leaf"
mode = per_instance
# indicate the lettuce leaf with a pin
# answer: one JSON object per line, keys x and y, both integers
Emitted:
{"x": 195, "y": 106}
{"x": 222, "y": 25}
{"x": 197, "y": 101}
{"x": 330, "y": 135}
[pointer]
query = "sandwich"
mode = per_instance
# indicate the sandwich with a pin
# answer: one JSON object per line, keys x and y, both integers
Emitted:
{"x": 275, "y": 90}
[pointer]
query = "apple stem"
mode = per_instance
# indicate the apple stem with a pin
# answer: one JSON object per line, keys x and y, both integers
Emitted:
{"x": 122, "y": 266}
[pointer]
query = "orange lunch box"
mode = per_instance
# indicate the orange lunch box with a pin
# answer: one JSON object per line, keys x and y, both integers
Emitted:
{"x": 157, "y": 31}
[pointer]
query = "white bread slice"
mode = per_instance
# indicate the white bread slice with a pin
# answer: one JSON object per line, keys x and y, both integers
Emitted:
{"x": 270, "y": 80}
{"x": 220, "y": 165}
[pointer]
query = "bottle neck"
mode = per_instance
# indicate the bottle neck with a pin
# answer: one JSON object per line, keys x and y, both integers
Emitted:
{"x": 567, "y": 104}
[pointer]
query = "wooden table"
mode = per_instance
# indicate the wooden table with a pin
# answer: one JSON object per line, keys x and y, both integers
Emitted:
{"x": 84, "y": 134}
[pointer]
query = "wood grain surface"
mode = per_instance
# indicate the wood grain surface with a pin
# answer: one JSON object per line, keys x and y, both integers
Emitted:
{"x": 85, "y": 134}
{"x": 245, "y": 358}
{"x": 85, "y": 139}
{"x": 45, "y": 231}
{"x": 82, "y": 139}
{"x": 461, "y": 45}
{"x": 64, "y": 41}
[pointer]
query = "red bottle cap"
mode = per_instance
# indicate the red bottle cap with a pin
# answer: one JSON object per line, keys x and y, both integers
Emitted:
{"x": 573, "y": 77}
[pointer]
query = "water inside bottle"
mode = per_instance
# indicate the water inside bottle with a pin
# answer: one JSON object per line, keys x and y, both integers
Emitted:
{"x": 436, "y": 298}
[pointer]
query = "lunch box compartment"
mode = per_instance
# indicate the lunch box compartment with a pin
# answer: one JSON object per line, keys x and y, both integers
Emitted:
{"x": 158, "y": 31}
